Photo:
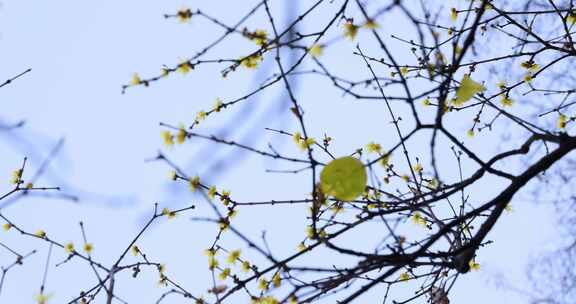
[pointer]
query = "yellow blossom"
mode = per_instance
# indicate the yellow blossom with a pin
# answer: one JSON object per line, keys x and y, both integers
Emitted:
{"x": 181, "y": 135}
{"x": 251, "y": 62}
{"x": 528, "y": 77}
{"x": 233, "y": 256}
{"x": 88, "y": 248}
{"x": 135, "y": 250}
{"x": 212, "y": 192}
{"x": 263, "y": 284}
{"x": 508, "y": 208}
{"x": 135, "y": 79}
{"x": 501, "y": 85}
{"x": 224, "y": 274}
{"x": 245, "y": 266}
{"x": 225, "y": 197}
{"x": 184, "y": 67}
{"x": 404, "y": 277}
{"x": 562, "y": 120}
{"x": 16, "y": 176}
{"x": 184, "y": 14}
{"x": 468, "y": 88}
{"x": 371, "y": 24}
{"x": 418, "y": 219}
{"x": 260, "y": 37}
{"x": 385, "y": 160}
{"x": 453, "y": 14}
{"x": 169, "y": 214}
{"x": 6, "y": 226}
{"x": 373, "y": 147}
{"x": 404, "y": 71}
{"x": 301, "y": 247}
{"x": 212, "y": 263}
{"x": 218, "y": 105}
{"x": 316, "y": 50}
{"x": 172, "y": 175}
{"x": 433, "y": 183}
{"x": 426, "y": 102}
{"x": 42, "y": 298}
{"x": 200, "y": 116}
{"x": 69, "y": 247}
{"x": 194, "y": 183}
{"x": 405, "y": 177}
{"x": 168, "y": 138}
{"x": 571, "y": 18}
{"x": 417, "y": 168}
{"x": 29, "y": 186}
{"x": 505, "y": 101}
{"x": 470, "y": 133}
{"x": 276, "y": 280}
{"x": 40, "y": 233}
{"x": 350, "y": 30}
{"x": 474, "y": 266}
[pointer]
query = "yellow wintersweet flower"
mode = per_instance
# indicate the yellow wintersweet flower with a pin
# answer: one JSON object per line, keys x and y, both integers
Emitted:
{"x": 88, "y": 248}
{"x": 181, "y": 135}
{"x": 433, "y": 183}
{"x": 212, "y": 192}
{"x": 169, "y": 214}
{"x": 225, "y": 197}
{"x": 316, "y": 50}
{"x": 224, "y": 274}
{"x": 29, "y": 186}
{"x": 233, "y": 256}
{"x": 350, "y": 30}
{"x": 508, "y": 208}
{"x": 260, "y": 37}
{"x": 501, "y": 85}
{"x": 453, "y": 14}
{"x": 418, "y": 219}
{"x": 263, "y": 284}
{"x": 405, "y": 177}
{"x": 43, "y": 298}
{"x": 371, "y": 24}
{"x": 301, "y": 247}
{"x": 185, "y": 67}
{"x": 404, "y": 71}
{"x": 530, "y": 66}
{"x": 246, "y": 266}
{"x": 69, "y": 247}
{"x": 276, "y": 280}
{"x": 305, "y": 144}
{"x": 40, "y": 233}
{"x": 404, "y": 277}
{"x": 200, "y": 116}
{"x": 528, "y": 77}
{"x": 168, "y": 138}
{"x": 385, "y": 160}
{"x": 194, "y": 183}
{"x": 373, "y": 147}
{"x": 161, "y": 268}
{"x": 172, "y": 175}
{"x": 184, "y": 14}
{"x": 505, "y": 101}
{"x": 135, "y": 250}
{"x": 562, "y": 120}
{"x": 474, "y": 266}
{"x": 251, "y": 62}
{"x": 16, "y": 176}
{"x": 468, "y": 88}
{"x": 417, "y": 168}
{"x": 218, "y": 105}
{"x": 426, "y": 102}
{"x": 470, "y": 133}
{"x": 135, "y": 79}
{"x": 212, "y": 263}
{"x": 6, "y": 226}
{"x": 571, "y": 18}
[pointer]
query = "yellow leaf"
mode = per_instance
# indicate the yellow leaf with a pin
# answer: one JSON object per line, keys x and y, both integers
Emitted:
{"x": 344, "y": 178}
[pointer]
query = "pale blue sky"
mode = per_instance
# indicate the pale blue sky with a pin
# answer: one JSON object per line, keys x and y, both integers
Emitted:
{"x": 82, "y": 52}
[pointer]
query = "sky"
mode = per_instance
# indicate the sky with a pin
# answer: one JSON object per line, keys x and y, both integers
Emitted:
{"x": 81, "y": 53}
